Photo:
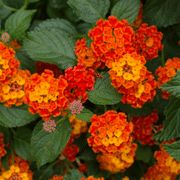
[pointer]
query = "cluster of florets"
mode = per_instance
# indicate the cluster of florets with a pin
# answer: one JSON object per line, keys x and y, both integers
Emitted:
{"x": 132, "y": 79}
{"x": 144, "y": 128}
{"x": 18, "y": 169}
{"x": 92, "y": 178}
{"x": 167, "y": 72}
{"x": 111, "y": 135}
{"x": 166, "y": 167}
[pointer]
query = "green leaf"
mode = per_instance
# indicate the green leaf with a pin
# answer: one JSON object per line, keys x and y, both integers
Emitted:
{"x": 104, "y": 93}
{"x": 85, "y": 115}
{"x": 47, "y": 146}
{"x": 15, "y": 116}
{"x": 90, "y": 10}
{"x": 173, "y": 86}
{"x": 22, "y": 143}
{"x": 161, "y": 13}
{"x": 126, "y": 9}
{"x": 52, "y": 46}
{"x": 60, "y": 24}
{"x": 172, "y": 123}
{"x": 18, "y": 23}
{"x": 173, "y": 149}
{"x": 144, "y": 153}
{"x": 3, "y": 11}
{"x": 73, "y": 175}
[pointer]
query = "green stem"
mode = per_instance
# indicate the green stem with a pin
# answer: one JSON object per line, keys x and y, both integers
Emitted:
{"x": 26, "y": 2}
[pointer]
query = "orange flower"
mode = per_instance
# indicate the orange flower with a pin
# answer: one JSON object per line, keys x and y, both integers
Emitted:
{"x": 19, "y": 169}
{"x": 78, "y": 126}
{"x": 12, "y": 93}
{"x": 85, "y": 55}
{"x": 166, "y": 167}
{"x": 143, "y": 128}
{"x": 2, "y": 146}
{"x": 80, "y": 81}
{"x": 167, "y": 72}
{"x": 45, "y": 94}
{"x": 118, "y": 162}
{"x": 109, "y": 132}
{"x": 15, "y": 44}
{"x": 92, "y": 178}
{"x": 8, "y": 63}
{"x": 128, "y": 71}
{"x": 138, "y": 95}
{"x": 148, "y": 41}
{"x": 111, "y": 39}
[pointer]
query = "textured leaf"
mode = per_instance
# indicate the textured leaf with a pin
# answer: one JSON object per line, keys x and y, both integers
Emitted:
{"x": 90, "y": 10}
{"x": 173, "y": 149}
{"x": 172, "y": 123}
{"x": 22, "y": 143}
{"x": 162, "y": 13}
{"x": 60, "y": 24}
{"x": 18, "y": 23}
{"x": 173, "y": 86}
{"x": 47, "y": 146}
{"x": 104, "y": 93}
{"x": 126, "y": 9}
{"x": 50, "y": 46}
{"x": 85, "y": 115}
{"x": 3, "y": 11}
{"x": 14, "y": 117}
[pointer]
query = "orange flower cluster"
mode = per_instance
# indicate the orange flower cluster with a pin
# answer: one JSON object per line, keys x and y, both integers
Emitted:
{"x": 2, "y": 146}
{"x": 19, "y": 169}
{"x": 111, "y": 135}
{"x": 143, "y": 128}
{"x": 132, "y": 79}
{"x": 80, "y": 80}
{"x": 8, "y": 63}
{"x": 12, "y": 92}
{"x": 45, "y": 94}
{"x": 148, "y": 41}
{"x": 78, "y": 126}
{"x": 120, "y": 161}
{"x": 92, "y": 178}
{"x": 167, "y": 72}
{"x": 166, "y": 167}
{"x": 71, "y": 150}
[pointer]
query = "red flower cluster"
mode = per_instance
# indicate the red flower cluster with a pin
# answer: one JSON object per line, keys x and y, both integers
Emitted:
{"x": 166, "y": 167}
{"x": 148, "y": 41}
{"x": 80, "y": 80}
{"x": 132, "y": 79}
{"x": 92, "y": 178}
{"x": 111, "y": 135}
{"x": 56, "y": 177}
{"x": 143, "y": 128}
{"x": 71, "y": 150}
{"x": 45, "y": 94}
{"x": 2, "y": 146}
{"x": 167, "y": 72}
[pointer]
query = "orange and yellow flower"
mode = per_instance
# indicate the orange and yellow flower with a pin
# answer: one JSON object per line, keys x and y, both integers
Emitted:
{"x": 148, "y": 41}
{"x": 118, "y": 162}
{"x": 80, "y": 81}
{"x": 92, "y": 178}
{"x": 57, "y": 177}
{"x": 167, "y": 72}
{"x": 109, "y": 132}
{"x": 78, "y": 126}
{"x": 111, "y": 39}
{"x": 19, "y": 169}
{"x": 143, "y": 128}
{"x": 12, "y": 93}
{"x": 45, "y": 94}
{"x": 166, "y": 167}
{"x": 8, "y": 63}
